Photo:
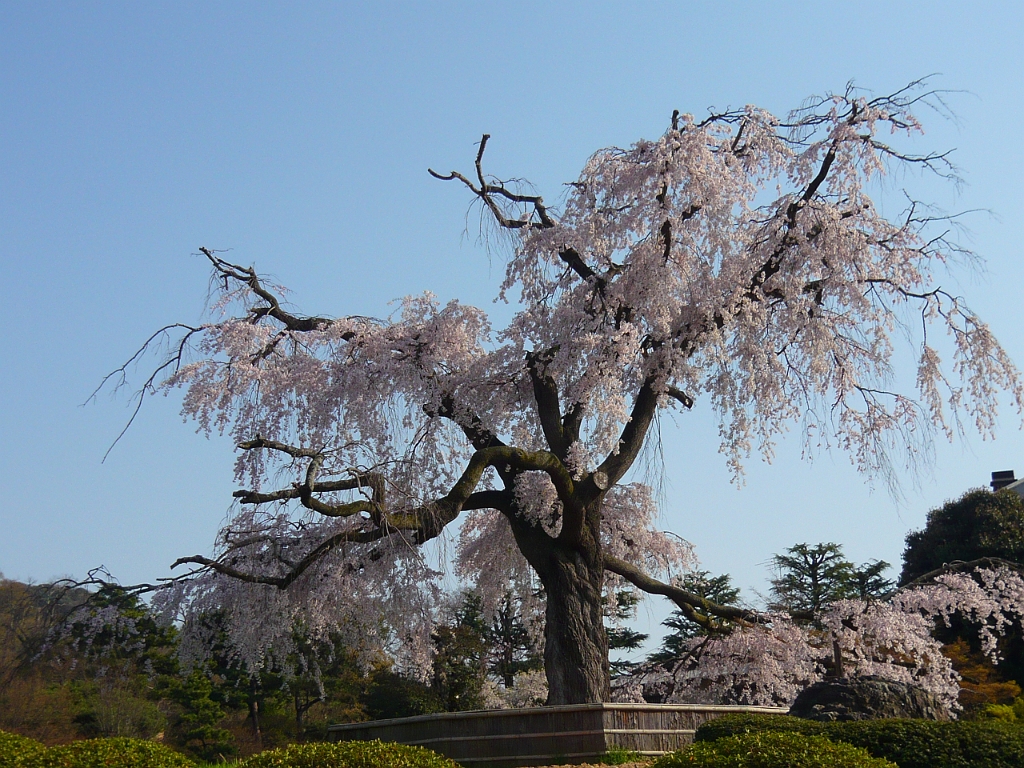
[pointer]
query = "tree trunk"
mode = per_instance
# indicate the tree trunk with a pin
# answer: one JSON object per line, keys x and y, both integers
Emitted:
{"x": 254, "y": 713}
{"x": 575, "y": 641}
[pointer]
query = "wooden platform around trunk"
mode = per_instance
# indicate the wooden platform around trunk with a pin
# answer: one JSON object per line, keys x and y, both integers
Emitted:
{"x": 509, "y": 738}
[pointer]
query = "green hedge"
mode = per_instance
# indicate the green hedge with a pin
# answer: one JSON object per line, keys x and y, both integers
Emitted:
{"x": 18, "y": 751}
{"x": 908, "y": 743}
{"x": 110, "y": 753}
{"x": 348, "y": 754}
{"x": 771, "y": 749}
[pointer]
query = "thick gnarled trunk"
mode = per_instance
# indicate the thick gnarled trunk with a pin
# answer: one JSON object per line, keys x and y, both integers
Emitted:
{"x": 575, "y": 641}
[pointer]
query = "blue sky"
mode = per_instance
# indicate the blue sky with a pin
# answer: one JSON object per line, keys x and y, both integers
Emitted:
{"x": 298, "y": 135}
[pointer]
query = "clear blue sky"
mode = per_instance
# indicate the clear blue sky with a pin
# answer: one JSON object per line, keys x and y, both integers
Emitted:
{"x": 298, "y": 135}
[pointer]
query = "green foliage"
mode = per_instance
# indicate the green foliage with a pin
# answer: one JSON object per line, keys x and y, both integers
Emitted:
{"x": 116, "y": 706}
{"x": 111, "y": 753}
{"x": 717, "y": 589}
{"x": 511, "y": 649}
{"x": 620, "y": 606}
{"x": 620, "y": 756}
{"x": 392, "y": 695}
{"x": 734, "y": 725}
{"x": 811, "y": 577}
{"x": 978, "y": 524}
{"x": 908, "y": 743}
{"x": 460, "y": 657}
{"x": 1010, "y": 713}
{"x": 18, "y": 751}
{"x": 348, "y": 754}
{"x": 196, "y": 728}
{"x": 772, "y": 750}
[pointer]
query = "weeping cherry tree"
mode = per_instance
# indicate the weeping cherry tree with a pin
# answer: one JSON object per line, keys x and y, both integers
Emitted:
{"x": 737, "y": 260}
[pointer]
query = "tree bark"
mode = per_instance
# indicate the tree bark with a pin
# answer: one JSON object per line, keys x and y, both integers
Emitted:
{"x": 575, "y": 641}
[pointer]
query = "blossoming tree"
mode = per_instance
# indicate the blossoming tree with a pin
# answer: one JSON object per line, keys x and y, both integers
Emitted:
{"x": 736, "y": 259}
{"x": 768, "y": 660}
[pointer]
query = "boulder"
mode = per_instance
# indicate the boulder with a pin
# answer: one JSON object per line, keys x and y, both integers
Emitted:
{"x": 866, "y": 698}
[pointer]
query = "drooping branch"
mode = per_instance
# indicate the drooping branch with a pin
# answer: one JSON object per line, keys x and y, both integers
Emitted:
{"x": 963, "y": 566}
{"x": 283, "y": 582}
{"x": 472, "y": 427}
{"x": 696, "y": 608}
{"x": 172, "y": 363}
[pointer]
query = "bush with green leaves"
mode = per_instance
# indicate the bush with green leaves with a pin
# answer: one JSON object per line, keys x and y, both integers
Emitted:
{"x": 734, "y": 725}
{"x": 348, "y": 754}
{"x": 771, "y": 749}
{"x": 1011, "y": 713}
{"x": 620, "y": 756}
{"x": 18, "y": 751}
{"x": 908, "y": 743}
{"x": 110, "y": 753}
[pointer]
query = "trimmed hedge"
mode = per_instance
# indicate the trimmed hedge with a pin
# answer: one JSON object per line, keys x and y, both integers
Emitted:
{"x": 908, "y": 743}
{"x": 771, "y": 749}
{"x": 348, "y": 754}
{"x": 18, "y": 751}
{"x": 734, "y": 725}
{"x": 110, "y": 753}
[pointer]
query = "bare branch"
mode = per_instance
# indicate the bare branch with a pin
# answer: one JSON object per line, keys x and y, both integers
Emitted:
{"x": 248, "y": 276}
{"x": 120, "y": 374}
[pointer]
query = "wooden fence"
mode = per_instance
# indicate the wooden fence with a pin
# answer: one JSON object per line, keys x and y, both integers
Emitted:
{"x": 508, "y": 738}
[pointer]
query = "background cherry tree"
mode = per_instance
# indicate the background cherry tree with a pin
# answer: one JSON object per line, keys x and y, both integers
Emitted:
{"x": 770, "y": 657}
{"x": 738, "y": 259}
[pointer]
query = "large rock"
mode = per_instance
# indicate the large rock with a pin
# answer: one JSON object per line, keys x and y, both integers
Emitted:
{"x": 866, "y": 698}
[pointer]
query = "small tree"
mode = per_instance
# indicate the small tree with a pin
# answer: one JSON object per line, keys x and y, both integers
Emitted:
{"x": 460, "y": 657}
{"x": 620, "y": 607}
{"x": 197, "y": 727}
{"x": 512, "y": 647}
{"x": 737, "y": 259}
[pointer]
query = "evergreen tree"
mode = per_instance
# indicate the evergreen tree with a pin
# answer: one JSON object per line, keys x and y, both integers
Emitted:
{"x": 511, "y": 647}
{"x": 809, "y": 577}
{"x": 618, "y": 607}
{"x": 460, "y": 657}
{"x": 978, "y": 524}
{"x": 718, "y": 589}
{"x": 197, "y": 726}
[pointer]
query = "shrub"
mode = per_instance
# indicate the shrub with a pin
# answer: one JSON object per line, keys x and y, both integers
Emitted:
{"x": 1013, "y": 713}
{"x": 17, "y": 751}
{"x": 930, "y": 744}
{"x": 621, "y": 756}
{"x": 908, "y": 743}
{"x": 391, "y": 695}
{"x": 734, "y": 725}
{"x": 771, "y": 750}
{"x": 111, "y": 753}
{"x": 348, "y": 754}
